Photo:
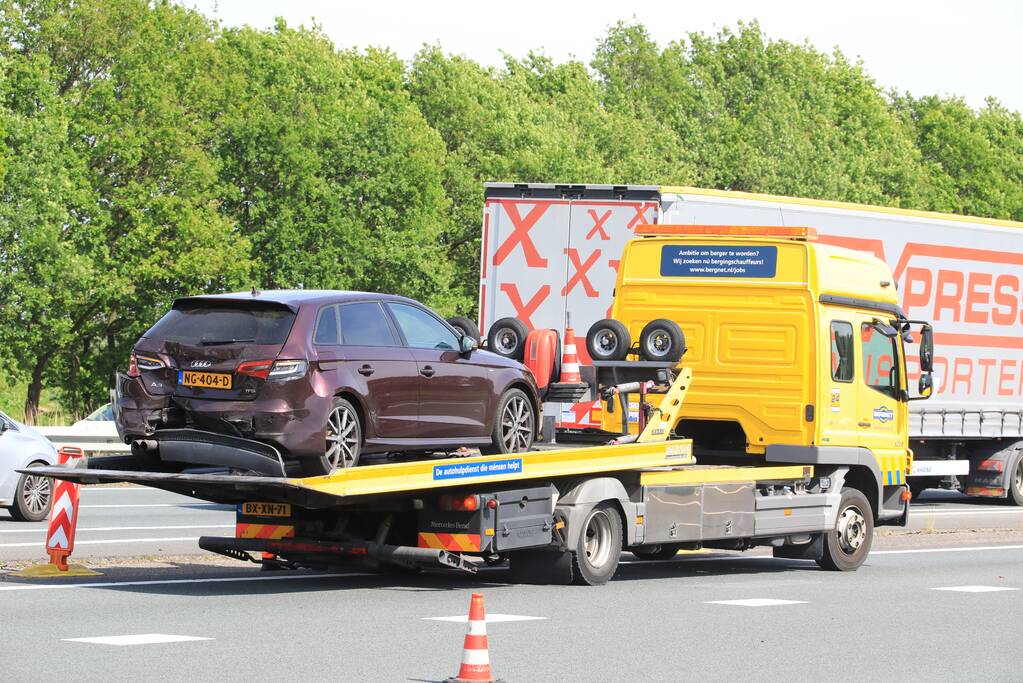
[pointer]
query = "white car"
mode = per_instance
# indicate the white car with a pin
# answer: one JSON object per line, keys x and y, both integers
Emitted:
{"x": 27, "y": 497}
{"x": 100, "y": 422}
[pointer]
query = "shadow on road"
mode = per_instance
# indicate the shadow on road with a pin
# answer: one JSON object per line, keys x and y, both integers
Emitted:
{"x": 192, "y": 579}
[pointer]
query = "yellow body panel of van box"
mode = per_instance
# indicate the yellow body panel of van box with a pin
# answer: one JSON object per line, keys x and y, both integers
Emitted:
{"x": 757, "y": 333}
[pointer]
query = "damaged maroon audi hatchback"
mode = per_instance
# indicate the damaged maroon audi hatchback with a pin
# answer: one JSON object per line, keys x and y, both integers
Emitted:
{"x": 318, "y": 377}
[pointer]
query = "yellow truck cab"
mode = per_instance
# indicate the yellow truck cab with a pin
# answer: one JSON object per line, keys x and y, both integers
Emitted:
{"x": 797, "y": 349}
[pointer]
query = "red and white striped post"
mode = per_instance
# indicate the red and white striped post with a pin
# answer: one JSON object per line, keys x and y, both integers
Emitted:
{"x": 60, "y": 534}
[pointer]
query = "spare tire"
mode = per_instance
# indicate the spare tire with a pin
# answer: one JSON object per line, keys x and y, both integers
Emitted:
{"x": 507, "y": 338}
{"x": 608, "y": 340}
{"x": 465, "y": 326}
{"x": 662, "y": 340}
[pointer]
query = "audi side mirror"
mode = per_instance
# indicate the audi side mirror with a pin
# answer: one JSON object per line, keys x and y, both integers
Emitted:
{"x": 468, "y": 345}
{"x": 926, "y": 348}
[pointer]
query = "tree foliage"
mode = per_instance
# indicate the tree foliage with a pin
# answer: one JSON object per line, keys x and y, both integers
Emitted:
{"x": 147, "y": 153}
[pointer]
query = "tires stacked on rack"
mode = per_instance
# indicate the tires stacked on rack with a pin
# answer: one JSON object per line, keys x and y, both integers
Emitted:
{"x": 660, "y": 340}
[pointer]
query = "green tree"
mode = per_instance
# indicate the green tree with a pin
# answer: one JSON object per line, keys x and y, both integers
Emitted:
{"x": 111, "y": 203}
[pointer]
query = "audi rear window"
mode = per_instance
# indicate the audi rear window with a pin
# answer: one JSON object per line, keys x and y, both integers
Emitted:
{"x": 212, "y": 323}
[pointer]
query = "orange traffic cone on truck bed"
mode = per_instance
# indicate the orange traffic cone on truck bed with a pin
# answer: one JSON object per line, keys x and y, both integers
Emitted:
{"x": 475, "y": 652}
{"x": 570, "y": 360}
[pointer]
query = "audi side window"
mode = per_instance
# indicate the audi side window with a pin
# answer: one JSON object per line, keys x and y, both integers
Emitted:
{"x": 365, "y": 324}
{"x": 422, "y": 330}
{"x": 326, "y": 327}
{"x": 842, "y": 367}
{"x": 879, "y": 354}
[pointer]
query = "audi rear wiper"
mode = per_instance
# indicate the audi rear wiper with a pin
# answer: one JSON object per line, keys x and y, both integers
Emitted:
{"x": 221, "y": 342}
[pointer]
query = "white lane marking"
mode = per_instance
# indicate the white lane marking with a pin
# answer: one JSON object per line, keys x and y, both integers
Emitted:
{"x": 169, "y": 582}
{"x": 757, "y": 602}
{"x": 964, "y": 513}
{"x": 108, "y": 540}
{"x": 140, "y": 639}
{"x": 124, "y": 528}
{"x": 978, "y": 548}
{"x": 976, "y": 589}
{"x": 491, "y": 618}
{"x": 156, "y": 505}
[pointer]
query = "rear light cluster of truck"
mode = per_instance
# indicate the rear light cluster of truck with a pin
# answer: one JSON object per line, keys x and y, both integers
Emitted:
{"x": 469, "y": 503}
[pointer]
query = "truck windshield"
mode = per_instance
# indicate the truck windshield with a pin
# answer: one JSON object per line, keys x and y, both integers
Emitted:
{"x": 213, "y": 323}
{"x": 880, "y": 370}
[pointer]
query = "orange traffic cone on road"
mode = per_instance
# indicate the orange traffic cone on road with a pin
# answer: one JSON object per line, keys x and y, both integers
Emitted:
{"x": 475, "y": 652}
{"x": 570, "y": 360}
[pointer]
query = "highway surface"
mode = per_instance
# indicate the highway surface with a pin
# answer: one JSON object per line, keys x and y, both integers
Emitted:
{"x": 929, "y": 603}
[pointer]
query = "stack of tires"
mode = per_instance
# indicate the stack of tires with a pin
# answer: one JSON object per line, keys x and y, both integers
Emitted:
{"x": 661, "y": 340}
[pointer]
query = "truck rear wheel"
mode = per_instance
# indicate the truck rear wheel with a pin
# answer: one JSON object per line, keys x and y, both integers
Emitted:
{"x": 600, "y": 544}
{"x": 1015, "y": 493}
{"x": 848, "y": 544}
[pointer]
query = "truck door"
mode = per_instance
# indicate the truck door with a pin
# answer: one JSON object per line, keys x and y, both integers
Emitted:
{"x": 881, "y": 415}
{"x": 838, "y": 385}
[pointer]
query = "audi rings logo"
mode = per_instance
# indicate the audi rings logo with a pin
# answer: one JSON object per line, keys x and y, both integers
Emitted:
{"x": 201, "y": 364}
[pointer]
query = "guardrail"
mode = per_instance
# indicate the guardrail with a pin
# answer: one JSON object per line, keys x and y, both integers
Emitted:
{"x": 88, "y": 441}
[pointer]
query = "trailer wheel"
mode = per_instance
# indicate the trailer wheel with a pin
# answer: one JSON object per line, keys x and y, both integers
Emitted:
{"x": 507, "y": 337}
{"x": 596, "y": 555}
{"x": 655, "y": 552}
{"x": 848, "y": 544}
{"x": 343, "y": 441}
{"x": 465, "y": 326}
{"x": 1015, "y": 493}
{"x": 662, "y": 340}
{"x": 608, "y": 340}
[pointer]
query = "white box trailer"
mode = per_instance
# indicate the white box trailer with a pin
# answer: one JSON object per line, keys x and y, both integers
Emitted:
{"x": 550, "y": 254}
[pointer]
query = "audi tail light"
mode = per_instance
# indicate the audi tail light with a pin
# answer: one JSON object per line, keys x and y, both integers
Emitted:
{"x": 138, "y": 363}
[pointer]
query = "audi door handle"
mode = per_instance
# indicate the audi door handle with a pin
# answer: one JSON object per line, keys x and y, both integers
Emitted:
{"x": 366, "y": 370}
{"x": 864, "y": 424}
{"x": 427, "y": 371}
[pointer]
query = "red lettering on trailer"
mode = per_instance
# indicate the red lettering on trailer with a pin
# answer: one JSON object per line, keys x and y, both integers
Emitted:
{"x": 524, "y": 310}
{"x": 948, "y": 301}
{"x": 875, "y": 247}
{"x": 520, "y": 234}
{"x": 917, "y": 299}
{"x": 613, "y": 264}
{"x": 966, "y": 376}
{"x": 974, "y": 297}
{"x": 987, "y": 364}
{"x": 1010, "y": 300}
{"x": 598, "y": 224}
{"x": 580, "y": 273}
{"x": 1004, "y": 376}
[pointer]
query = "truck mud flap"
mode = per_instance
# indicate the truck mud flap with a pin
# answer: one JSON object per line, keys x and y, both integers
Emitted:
{"x": 814, "y": 550}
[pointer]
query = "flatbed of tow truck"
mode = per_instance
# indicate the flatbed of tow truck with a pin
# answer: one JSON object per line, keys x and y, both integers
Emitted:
{"x": 558, "y": 516}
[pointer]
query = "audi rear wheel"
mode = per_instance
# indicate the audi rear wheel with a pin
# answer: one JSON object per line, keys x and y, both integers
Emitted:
{"x": 514, "y": 425}
{"x": 343, "y": 441}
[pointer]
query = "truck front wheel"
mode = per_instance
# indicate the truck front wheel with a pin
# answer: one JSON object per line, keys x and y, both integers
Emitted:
{"x": 848, "y": 544}
{"x": 600, "y": 544}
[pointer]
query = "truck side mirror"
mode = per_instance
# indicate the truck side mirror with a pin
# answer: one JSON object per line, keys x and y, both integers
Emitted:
{"x": 926, "y": 385}
{"x": 926, "y": 348}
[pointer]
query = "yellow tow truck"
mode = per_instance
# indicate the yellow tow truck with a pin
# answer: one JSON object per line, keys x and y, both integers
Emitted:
{"x": 770, "y": 432}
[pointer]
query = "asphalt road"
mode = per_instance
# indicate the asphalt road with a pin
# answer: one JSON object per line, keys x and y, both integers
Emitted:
{"x": 927, "y": 613}
{"x": 137, "y": 521}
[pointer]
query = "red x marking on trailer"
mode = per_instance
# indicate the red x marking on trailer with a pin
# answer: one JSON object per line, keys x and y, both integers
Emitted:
{"x": 580, "y": 272}
{"x": 613, "y": 264}
{"x": 520, "y": 235}
{"x": 524, "y": 310}
{"x": 640, "y": 217}
{"x": 598, "y": 224}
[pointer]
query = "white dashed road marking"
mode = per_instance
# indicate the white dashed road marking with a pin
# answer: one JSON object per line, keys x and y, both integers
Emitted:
{"x": 169, "y": 582}
{"x": 36, "y": 530}
{"x": 109, "y": 540}
{"x": 757, "y": 602}
{"x": 491, "y": 618}
{"x": 976, "y": 589}
{"x": 140, "y": 639}
{"x": 968, "y": 549}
